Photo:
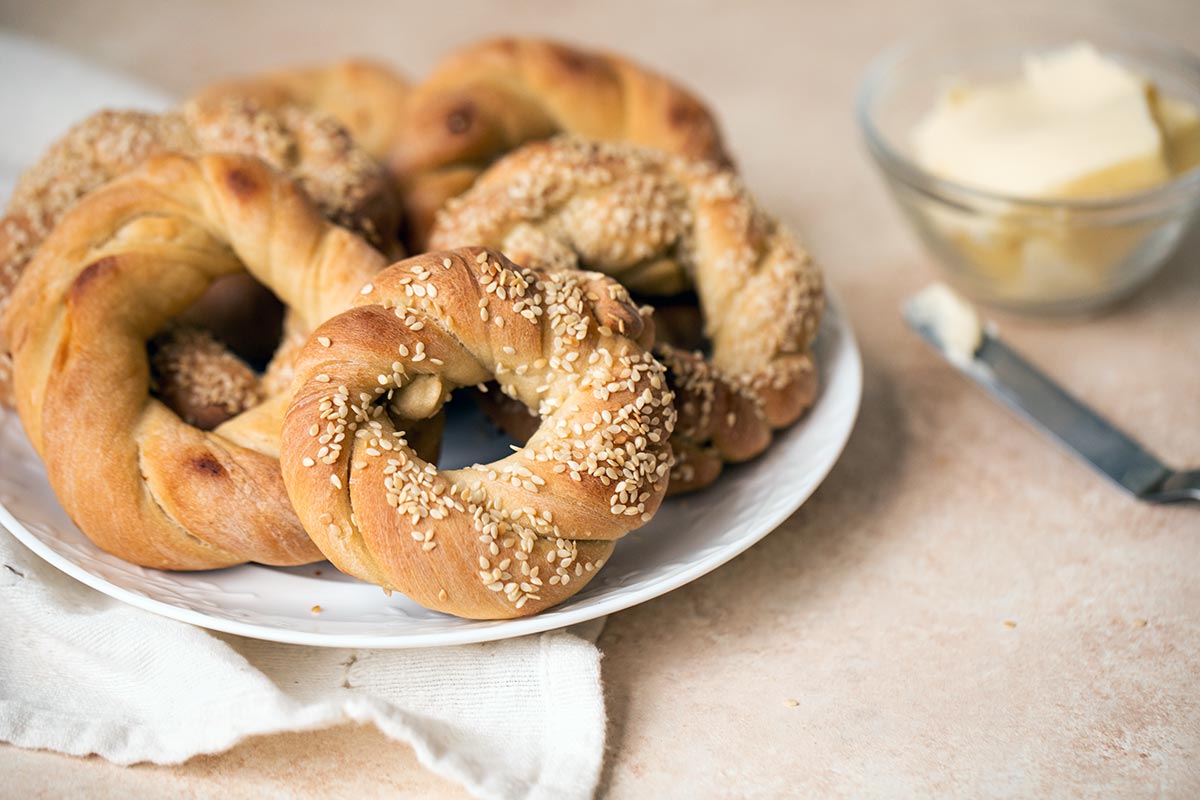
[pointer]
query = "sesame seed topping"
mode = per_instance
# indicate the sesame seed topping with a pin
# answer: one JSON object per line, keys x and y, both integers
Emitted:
{"x": 567, "y": 204}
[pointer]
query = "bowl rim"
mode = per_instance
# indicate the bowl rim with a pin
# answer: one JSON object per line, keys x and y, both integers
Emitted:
{"x": 1182, "y": 189}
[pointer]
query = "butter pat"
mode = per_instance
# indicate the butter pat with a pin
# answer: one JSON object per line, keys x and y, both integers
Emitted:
{"x": 1075, "y": 124}
{"x": 951, "y": 320}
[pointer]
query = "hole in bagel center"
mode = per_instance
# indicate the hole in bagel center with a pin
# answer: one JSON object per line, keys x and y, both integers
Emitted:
{"x": 470, "y": 436}
{"x": 447, "y": 426}
{"x": 207, "y": 364}
{"x": 494, "y": 421}
{"x": 678, "y": 320}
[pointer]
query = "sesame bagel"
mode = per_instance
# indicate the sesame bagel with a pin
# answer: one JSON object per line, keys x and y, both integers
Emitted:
{"x": 493, "y": 96}
{"x": 490, "y": 541}
{"x": 139, "y": 481}
{"x": 641, "y": 215}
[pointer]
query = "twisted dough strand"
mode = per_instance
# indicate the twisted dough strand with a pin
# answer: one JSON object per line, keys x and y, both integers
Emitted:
{"x": 489, "y": 541}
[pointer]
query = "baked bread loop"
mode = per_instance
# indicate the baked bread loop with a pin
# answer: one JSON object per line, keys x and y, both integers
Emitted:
{"x": 347, "y": 185}
{"x": 492, "y": 541}
{"x": 639, "y": 214}
{"x": 367, "y": 97}
{"x": 491, "y": 97}
{"x": 138, "y": 481}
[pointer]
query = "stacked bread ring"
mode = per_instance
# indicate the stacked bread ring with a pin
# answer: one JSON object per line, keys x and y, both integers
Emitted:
{"x": 554, "y": 196}
{"x": 661, "y": 222}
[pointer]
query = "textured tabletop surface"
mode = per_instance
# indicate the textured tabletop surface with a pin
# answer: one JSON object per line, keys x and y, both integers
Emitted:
{"x": 959, "y": 610}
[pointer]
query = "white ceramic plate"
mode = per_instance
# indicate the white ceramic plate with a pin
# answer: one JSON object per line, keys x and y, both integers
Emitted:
{"x": 687, "y": 538}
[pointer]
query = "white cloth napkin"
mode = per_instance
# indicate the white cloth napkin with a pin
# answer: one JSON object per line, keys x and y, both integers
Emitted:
{"x": 82, "y": 673}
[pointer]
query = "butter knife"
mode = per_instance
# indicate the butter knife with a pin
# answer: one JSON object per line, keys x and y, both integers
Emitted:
{"x": 951, "y": 326}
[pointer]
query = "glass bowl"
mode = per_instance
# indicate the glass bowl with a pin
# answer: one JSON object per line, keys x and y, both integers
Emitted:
{"x": 1019, "y": 253}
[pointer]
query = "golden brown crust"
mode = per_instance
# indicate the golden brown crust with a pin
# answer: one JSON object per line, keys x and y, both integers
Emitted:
{"x": 633, "y": 213}
{"x": 496, "y": 95}
{"x": 347, "y": 185}
{"x": 367, "y": 97}
{"x": 491, "y": 541}
{"x": 90, "y": 154}
{"x": 140, "y": 482}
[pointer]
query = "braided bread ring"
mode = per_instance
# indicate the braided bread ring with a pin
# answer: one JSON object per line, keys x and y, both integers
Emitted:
{"x": 348, "y": 186}
{"x": 494, "y": 96}
{"x": 489, "y": 541}
{"x": 633, "y": 213}
{"x": 138, "y": 481}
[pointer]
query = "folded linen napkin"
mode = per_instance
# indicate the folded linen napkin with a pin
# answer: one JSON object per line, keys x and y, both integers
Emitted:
{"x": 83, "y": 673}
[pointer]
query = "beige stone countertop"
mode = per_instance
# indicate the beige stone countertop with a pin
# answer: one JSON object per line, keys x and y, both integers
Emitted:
{"x": 960, "y": 610}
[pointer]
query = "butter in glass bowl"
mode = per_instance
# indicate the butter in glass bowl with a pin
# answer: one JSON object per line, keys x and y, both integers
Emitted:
{"x": 1044, "y": 177}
